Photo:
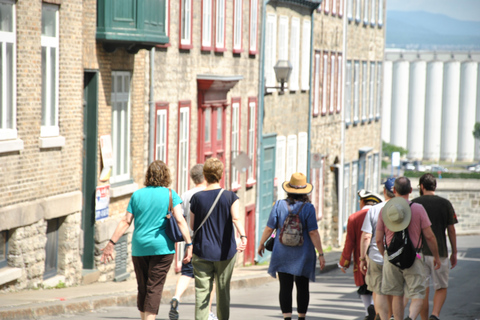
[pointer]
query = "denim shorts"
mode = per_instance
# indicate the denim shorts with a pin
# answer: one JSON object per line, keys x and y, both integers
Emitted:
{"x": 187, "y": 269}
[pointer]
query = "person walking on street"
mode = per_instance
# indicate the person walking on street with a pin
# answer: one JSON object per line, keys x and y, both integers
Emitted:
{"x": 215, "y": 245}
{"x": 397, "y": 215}
{"x": 442, "y": 215}
{"x": 152, "y": 249}
{"x": 352, "y": 245}
{"x": 371, "y": 264}
{"x": 294, "y": 264}
{"x": 196, "y": 174}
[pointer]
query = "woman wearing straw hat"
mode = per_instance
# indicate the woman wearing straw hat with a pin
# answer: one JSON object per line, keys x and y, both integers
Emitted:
{"x": 294, "y": 264}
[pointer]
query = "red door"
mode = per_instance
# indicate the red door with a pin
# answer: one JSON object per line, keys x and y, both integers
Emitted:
{"x": 249, "y": 256}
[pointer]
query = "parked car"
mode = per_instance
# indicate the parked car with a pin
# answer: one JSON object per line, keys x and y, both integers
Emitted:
{"x": 437, "y": 168}
{"x": 474, "y": 167}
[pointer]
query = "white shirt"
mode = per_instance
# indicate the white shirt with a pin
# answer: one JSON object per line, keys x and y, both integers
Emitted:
{"x": 369, "y": 226}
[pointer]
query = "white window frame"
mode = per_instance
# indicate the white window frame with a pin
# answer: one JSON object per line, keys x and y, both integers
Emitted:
{"x": 346, "y": 194}
{"x": 365, "y": 11}
{"x": 220, "y": 23}
{"x": 207, "y": 24}
{"x": 270, "y": 50}
{"x": 339, "y": 82}
{"x": 186, "y": 31}
{"x": 380, "y": 13}
{"x": 350, "y": 10}
{"x": 235, "y": 142}
{"x": 340, "y": 8}
{"x": 316, "y": 85}
{"x": 49, "y": 126}
{"x": 376, "y": 172}
{"x": 332, "y": 83}
{"x": 120, "y": 101}
{"x": 379, "y": 90}
{"x": 252, "y": 124}
{"x": 353, "y": 185}
{"x": 281, "y": 165}
{"x": 371, "y": 91}
{"x": 237, "y": 26}
{"x": 358, "y": 11}
{"x": 356, "y": 91}
{"x": 8, "y": 110}
{"x": 302, "y": 152}
{"x": 293, "y": 84}
{"x": 183, "y": 148}
{"x": 369, "y": 176}
{"x": 291, "y": 166}
{"x": 253, "y": 26}
{"x": 283, "y": 38}
{"x": 374, "y": 13}
{"x": 325, "y": 83}
{"x": 326, "y": 8}
{"x": 364, "y": 90}
{"x": 161, "y": 135}
{"x": 348, "y": 92}
{"x": 334, "y": 7}
{"x": 306, "y": 29}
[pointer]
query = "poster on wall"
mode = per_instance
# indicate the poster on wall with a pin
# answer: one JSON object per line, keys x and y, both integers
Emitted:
{"x": 102, "y": 200}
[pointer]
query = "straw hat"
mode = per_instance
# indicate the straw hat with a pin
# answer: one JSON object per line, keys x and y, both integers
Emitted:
{"x": 298, "y": 184}
{"x": 396, "y": 214}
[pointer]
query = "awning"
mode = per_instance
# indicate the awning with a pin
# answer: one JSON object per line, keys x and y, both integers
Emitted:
{"x": 214, "y": 87}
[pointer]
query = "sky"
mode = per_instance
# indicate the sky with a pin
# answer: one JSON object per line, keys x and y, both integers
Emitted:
{"x": 458, "y": 9}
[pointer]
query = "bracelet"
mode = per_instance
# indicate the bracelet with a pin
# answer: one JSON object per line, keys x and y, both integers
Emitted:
{"x": 362, "y": 259}
{"x": 114, "y": 243}
{"x": 320, "y": 254}
{"x": 243, "y": 237}
{"x": 188, "y": 244}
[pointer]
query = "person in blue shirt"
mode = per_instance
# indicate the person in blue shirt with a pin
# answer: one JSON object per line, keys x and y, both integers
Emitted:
{"x": 152, "y": 249}
{"x": 294, "y": 264}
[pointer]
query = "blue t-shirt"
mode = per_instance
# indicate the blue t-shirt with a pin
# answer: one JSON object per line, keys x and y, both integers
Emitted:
{"x": 301, "y": 260}
{"x": 149, "y": 207}
{"x": 215, "y": 240}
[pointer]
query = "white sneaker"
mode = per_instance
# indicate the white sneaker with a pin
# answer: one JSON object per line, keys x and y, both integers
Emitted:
{"x": 212, "y": 316}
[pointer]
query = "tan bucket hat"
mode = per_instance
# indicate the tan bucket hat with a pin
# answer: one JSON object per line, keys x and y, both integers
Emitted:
{"x": 298, "y": 184}
{"x": 396, "y": 214}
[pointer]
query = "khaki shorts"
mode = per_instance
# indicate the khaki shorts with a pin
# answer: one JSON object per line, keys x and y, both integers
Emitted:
{"x": 439, "y": 277}
{"x": 373, "y": 278}
{"x": 408, "y": 282}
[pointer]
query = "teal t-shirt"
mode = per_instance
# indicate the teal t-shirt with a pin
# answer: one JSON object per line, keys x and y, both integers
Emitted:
{"x": 149, "y": 207}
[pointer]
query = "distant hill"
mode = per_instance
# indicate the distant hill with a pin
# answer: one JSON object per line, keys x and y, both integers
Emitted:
{"x": 430, "y": 31}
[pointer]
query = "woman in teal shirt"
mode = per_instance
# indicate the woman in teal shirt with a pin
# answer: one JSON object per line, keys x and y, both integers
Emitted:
{"x": 152, "y": 250}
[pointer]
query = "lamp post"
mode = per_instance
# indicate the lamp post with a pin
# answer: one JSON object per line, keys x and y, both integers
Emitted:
{"x": 283, "y": 70}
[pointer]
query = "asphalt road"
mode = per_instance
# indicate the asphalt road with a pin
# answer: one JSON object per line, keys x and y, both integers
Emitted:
{"x": 333, "y": 296}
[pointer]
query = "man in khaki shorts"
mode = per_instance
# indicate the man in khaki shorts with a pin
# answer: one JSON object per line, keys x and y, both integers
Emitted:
{"x": 372, "y": 269}
{"x": 397, "y": 215}
{"x": 442, "y": 215}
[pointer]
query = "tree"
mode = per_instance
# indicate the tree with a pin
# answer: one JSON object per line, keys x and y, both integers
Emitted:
{"x": 389, "y": 148}
{"x": 476, "y": 131}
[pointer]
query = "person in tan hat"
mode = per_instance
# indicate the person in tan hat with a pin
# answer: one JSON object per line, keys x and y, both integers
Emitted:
{"x": 397, "y": 215}
{"x": 352, "y": 245}
{"x": 294, "y": 264}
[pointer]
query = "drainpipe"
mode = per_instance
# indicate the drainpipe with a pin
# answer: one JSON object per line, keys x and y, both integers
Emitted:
{"x": 310, "y": 80}
{"x": 261, "y": 98}
{"x": 151, "y": 134}
{"x": 342, "y": 129}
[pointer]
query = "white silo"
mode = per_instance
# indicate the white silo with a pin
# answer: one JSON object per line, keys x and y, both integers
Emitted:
{"x": 399, "y": 116}
{"x": 433, "y": 110}
{"x": 416, "y": 109}
{"x": 466, "y": 118}
{"x": 450, "y": 108}
{"x": 477, "y": 116}
{"x": 387, "y": 100}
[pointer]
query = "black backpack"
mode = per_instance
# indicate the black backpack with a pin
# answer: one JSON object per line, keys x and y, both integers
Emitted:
{"x": 401, "y": 252}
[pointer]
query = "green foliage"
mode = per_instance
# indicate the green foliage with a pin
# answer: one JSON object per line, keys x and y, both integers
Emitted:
{"x": 476, "y": 130}
{"x": 389, "y": 148}
{"x": 445, "y": 175}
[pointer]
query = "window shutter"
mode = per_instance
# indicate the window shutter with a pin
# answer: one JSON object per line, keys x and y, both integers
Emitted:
{"x": 325, "y": 84}
{"x": 291, "y": 156}
{"x": 283, "y": 38}
{"x": 280, "y": 165}
{"x": 294, "y": 54}
{"x": 302, "y": 152}
{"x": 306, "y": 55}
{"x": 316, "y": 85}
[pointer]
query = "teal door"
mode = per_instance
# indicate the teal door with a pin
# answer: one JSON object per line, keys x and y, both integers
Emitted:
{"x": 267, "y": 175}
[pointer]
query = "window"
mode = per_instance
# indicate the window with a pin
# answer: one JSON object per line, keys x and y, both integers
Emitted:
{"x": 280, "y": 165}
{"x": 220, "y": 12}
{"x": 326, "y": 6}
{"x": 325, "y": 84}
{"x": 371, "y": 91}
{"x": 346, "y": 195}
{"x": 350, "y": 10}
{"x": 161, "y": 131}
{"x": 369, "y": 184}
{"x": 51, "y": 249}
{"x": 7, "y": 71}
{"x": 252, "y": 133}
{"x": 270, "y": 49}
{"x": 333, "y": 82}
{"x": 291, "y": 155}
{"x": 358, "y": 10}
{"x": 374, "y": 13}
{"x": 339, "y": 82}
{"x": 365, "y": 12}
{"x": 340, "y": 8}
{"x": 120, "y": 126}
{"x": 364, "y": 90}
{"x": 356, "y": 91}
{"x": 380, "y": 13}
{"x": 3, "y": 248}
{"x": 183, "y": 146}
{"x": 295, "y": 54}
{"x": 237, "y": 26}
{"x": 306, "y": 55}
{"x": 302, "y": 152}
{"x": 353, "y": 198}
{"x": 376, "y": 171}
{"x": 316, "y": 84}
{"x": 348, "y": 92}
{"x": 207, "y": 24}
{"x": 253, "y": 26}
{"x": 186, "y": 18}
{"x": 334, "y": 7}
{"x": 379, "y": 90}
{"x": 235, "y": 144}
{"x": 283, "y": 38}
{"x": 318, "y": 193}
{"x": 50, "y": 44}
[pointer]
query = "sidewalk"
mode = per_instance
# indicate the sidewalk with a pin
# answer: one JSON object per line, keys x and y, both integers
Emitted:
{"x": 31, "y": 304}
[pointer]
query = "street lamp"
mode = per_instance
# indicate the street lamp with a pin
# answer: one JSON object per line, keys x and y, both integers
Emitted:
{"x": 283, "y": 69}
